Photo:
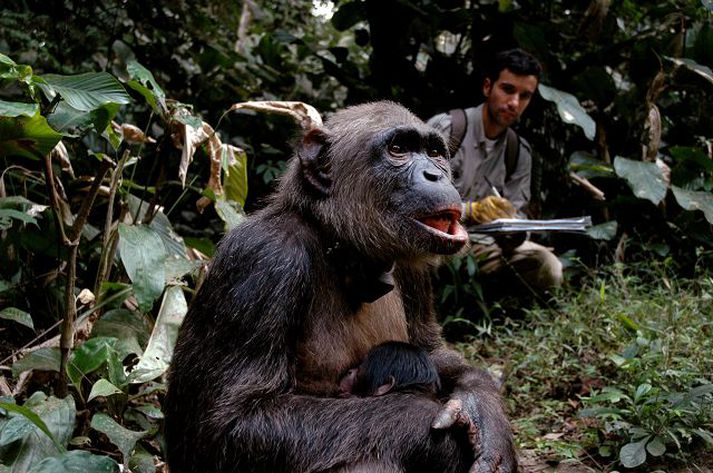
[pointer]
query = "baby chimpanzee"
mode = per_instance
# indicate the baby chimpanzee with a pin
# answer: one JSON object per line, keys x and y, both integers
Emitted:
{"x": 392, "y": 366}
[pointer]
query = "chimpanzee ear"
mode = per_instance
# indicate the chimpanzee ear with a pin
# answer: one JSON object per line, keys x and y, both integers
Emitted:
{"x": 385, "y": 388}
{"x": 314, "y": 161}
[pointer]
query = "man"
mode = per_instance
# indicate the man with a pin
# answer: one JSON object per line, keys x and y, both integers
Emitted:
{"x": 493, "y": 161}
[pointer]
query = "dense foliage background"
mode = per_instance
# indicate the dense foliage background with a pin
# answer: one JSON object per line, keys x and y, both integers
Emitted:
{"x": 123, "y": 163}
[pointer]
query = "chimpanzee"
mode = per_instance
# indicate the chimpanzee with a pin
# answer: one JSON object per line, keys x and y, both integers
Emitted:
{"x": 337, "y": 262}
{"x": 392, "y": 367}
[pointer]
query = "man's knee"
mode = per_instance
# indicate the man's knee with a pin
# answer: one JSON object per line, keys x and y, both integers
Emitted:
{"x": 540, "y": 266}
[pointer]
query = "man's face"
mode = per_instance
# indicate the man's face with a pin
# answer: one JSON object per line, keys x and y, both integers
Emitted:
{"x": 508, "y": 97}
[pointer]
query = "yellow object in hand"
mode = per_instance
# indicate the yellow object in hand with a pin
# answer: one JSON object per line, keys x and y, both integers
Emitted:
{"x": 489, "y": 209}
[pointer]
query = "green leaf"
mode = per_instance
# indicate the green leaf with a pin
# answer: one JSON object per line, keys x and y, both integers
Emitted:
{"x": 569, "y": 109}
{"x": 103, "y": 388}
{"x": 604, "y": 231}
{"x": 7, "y": 216}
{"x": 143, "y": 254}
{"x": 656, "y": 447}
{"x": 52, "y": 422}
{"x": 236, "y": 173}
{"x": 30, "y": 137}
{"x": 645, "y": 179}
{"x": 641, "y": 390}
{"x": 156, "y": 358}
{"x": 76, "y": 461}
{"x": 142, "y": 462}
{"x": 122, "y": 437}
{"x": 633, "y": 454}
{"x": 45, "y": 359}
{"x": 695, "y": 200}
{"x": 87, "y": 91}
{"x": 88, "y": 357}
{"x": 692, "y": 65}
{"x": 150, "y": 411}
{"x": 129, "y": 328}
{"x": 144, "y": 83}
{"x": 16, "y": 109}
{"x": 229, "y": 214}
{"x": 17, "y": 315}
{"x": 587, "y": 166}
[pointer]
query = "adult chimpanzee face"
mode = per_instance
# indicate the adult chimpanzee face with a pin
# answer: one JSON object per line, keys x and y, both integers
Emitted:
{"x": 423, "y": 196}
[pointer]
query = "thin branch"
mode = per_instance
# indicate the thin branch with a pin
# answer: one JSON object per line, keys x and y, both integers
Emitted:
{"x": 54, "y": 198}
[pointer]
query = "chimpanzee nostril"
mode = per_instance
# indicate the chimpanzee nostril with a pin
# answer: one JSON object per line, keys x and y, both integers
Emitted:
{"x": 432, "y": 175}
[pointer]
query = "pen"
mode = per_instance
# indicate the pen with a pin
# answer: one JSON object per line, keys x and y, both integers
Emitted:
{"x": 492, "y": 187}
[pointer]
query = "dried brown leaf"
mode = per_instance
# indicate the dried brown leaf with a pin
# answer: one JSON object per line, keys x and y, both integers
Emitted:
{"x": 59, "y": 154}
{"x": 305, "y": 115}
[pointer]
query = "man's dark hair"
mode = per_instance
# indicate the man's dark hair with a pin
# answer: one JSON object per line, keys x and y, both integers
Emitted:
{"x": 518, "y": 61}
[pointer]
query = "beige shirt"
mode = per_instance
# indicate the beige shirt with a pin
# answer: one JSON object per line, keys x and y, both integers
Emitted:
{"x": 472, "y": 163}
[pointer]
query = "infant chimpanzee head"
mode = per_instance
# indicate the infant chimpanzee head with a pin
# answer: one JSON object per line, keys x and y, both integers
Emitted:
{"x": 392, "y": 366}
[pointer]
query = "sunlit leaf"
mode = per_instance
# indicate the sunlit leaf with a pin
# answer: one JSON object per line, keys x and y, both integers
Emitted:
{"x": 569, "y": 109}
{"x": 588, "y": 166}
{"x": 304, "y": 114}
{"x": 645, "y": 179}
{"x": 30, "y": 137}
{"x": 16, "y": 109}
{"x": 695, "y": 200}
{"x": 159, "y": 351}
{"x": 229, "y": 214}
{"x": 76, "y": 461}
{"x": 236, "y": 173}
{"x": 103, "y": 388}
{"x": 122, "y": 437}
{"x": 87, "y": 91}
{"x": 690, "y": 64}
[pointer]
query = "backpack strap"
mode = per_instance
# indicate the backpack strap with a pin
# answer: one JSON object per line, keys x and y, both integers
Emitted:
{"x": 512, "y": 153}
{"x": 459, "y": 123}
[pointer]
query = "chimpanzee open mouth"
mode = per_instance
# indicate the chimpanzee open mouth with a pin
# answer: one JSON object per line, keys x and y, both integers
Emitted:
{"x": 445, "y": 224}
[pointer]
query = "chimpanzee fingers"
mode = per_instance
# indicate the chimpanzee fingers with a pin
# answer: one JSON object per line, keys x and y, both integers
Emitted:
{"x": 449, "y": 414}
{"x": 489, "y": 465}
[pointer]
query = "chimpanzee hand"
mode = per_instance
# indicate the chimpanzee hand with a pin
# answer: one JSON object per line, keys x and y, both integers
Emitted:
{"x": 486, "y": 426}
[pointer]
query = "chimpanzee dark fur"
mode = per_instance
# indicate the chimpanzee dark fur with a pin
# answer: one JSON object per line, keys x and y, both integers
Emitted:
{"x": 337, "y": 263}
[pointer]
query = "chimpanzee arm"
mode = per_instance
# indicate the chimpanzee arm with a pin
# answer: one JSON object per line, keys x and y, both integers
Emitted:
{"x": 474, "y": 402}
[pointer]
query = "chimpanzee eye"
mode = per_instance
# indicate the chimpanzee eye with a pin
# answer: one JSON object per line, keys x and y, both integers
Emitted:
{"x": 397, "y": 150}
{"x": 434, "y": 153}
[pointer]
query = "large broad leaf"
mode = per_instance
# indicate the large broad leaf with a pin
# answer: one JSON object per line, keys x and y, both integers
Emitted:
{"x": 143, "y": 254}
{"x": 30, "y": 137}
{"x": 229, "y": 214}
{"x": 633, "y": 454}
{"x": 16, "y": 109}
{"x": 142, "y": 462}
{"x": 156, "y": 358}
{"x": 645, "y": 179}
{"x": 695, "y": 200}
{"x": 129, "y": 328}
{"x": 56, "y": 417}
{"x": 86, "y": 92}
{"x": 569, "y": 109}
{"x": 122, "y": 437}
{"x": 89, "y": 357}
{"x": 142, "y": 81}
{"x": 45, "y": 359}
{"x": 172, "y": 241}
{"x": 73, "y": 122}
{"x": 76, "y": 461}
{"x": 692, "y": 65}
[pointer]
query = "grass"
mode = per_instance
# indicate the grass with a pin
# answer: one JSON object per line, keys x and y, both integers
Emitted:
{"x": 615, "y": 373}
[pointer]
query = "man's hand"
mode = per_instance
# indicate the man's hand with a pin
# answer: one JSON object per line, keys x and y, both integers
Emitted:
{"x": 487, "y": 429}
{"x": 488, "y": 209}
